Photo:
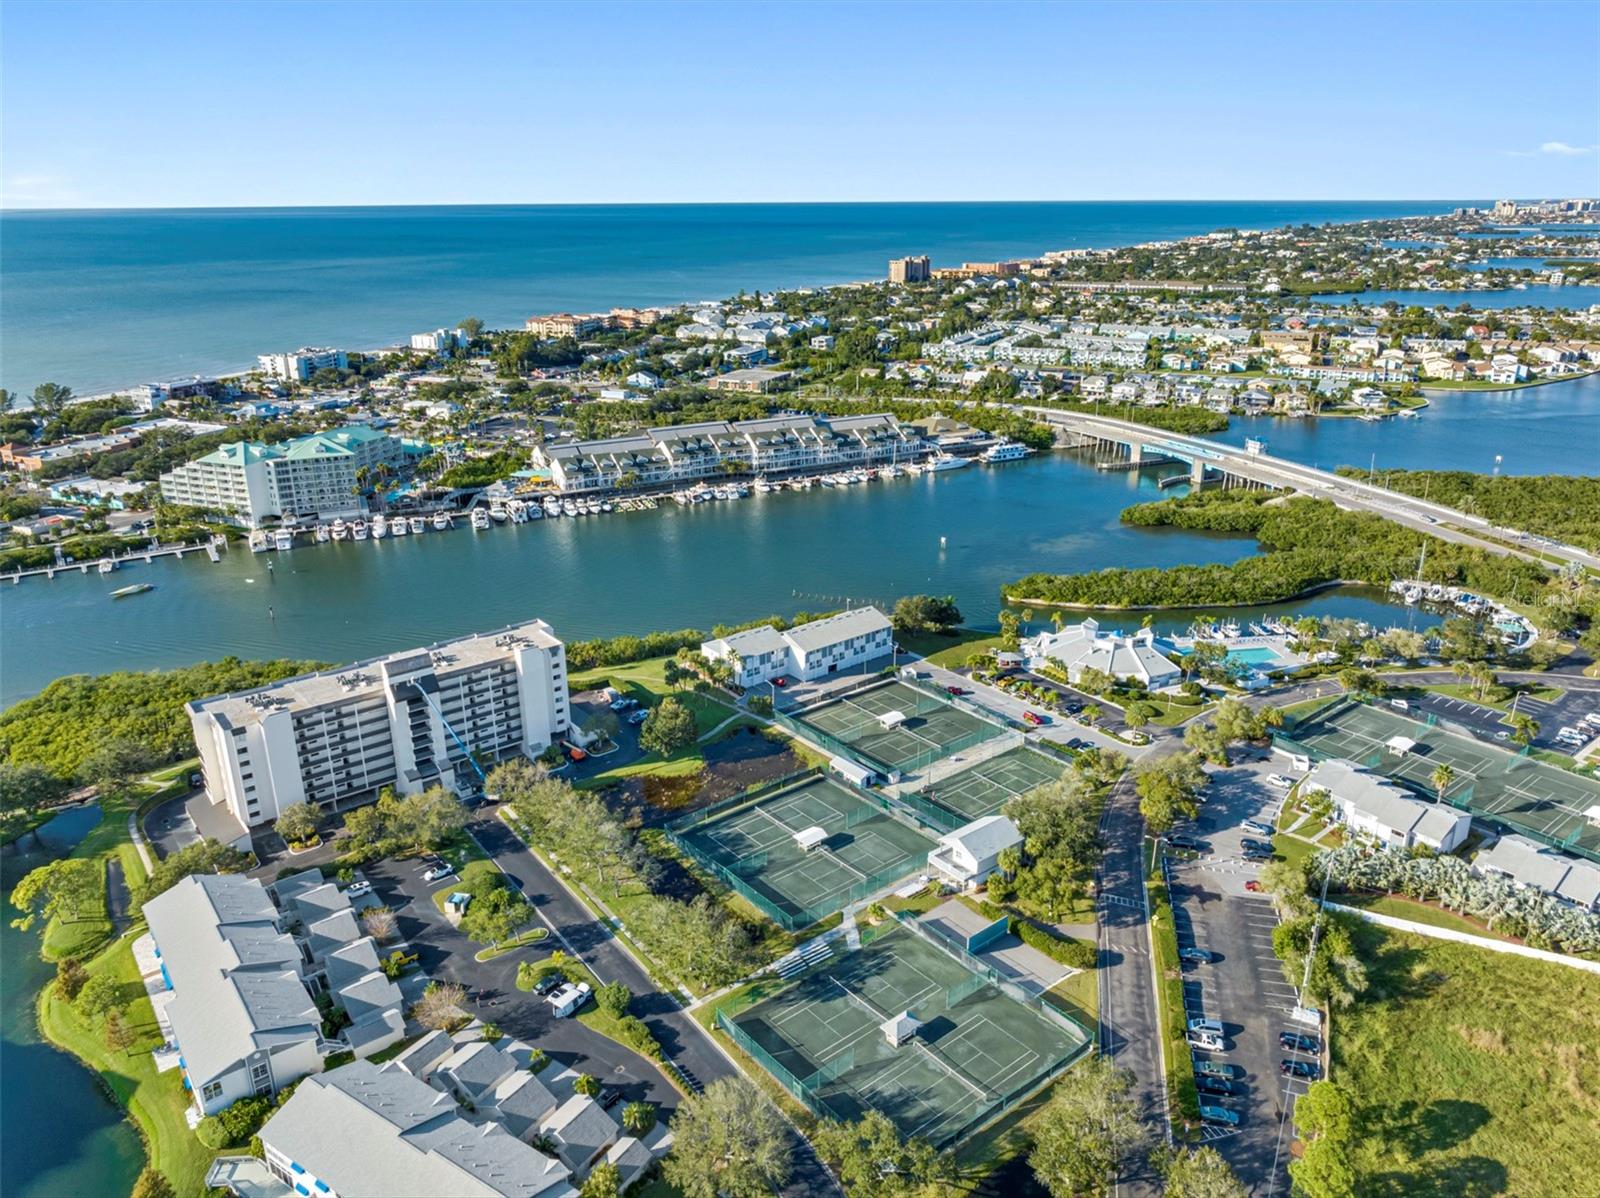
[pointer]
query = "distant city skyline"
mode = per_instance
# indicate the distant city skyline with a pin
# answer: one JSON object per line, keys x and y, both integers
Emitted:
{"x": 108, "y": 105}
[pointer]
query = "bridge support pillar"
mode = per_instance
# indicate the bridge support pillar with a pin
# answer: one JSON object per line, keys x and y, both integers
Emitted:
{"x": 1136, "y": 451}
{"x": 1197, "y": 472}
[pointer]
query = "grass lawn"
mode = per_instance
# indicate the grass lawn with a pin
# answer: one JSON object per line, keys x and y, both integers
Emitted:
{"x": 951, "y": 651}
{"x": 156, "y": 1101}
{"x": 1292, "y": 849}
{"x": 521, "y": 940}
{"x": 1417, "y": 912}
{"x": 1079, "y": 996}
{"x": 473, "y": 877}
{"x": 1181, "y": 1094}
{"x": 1473, "y": 1072}
{"x": 1173, "y": 714}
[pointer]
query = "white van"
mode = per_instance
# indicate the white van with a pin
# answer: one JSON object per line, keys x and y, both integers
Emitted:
{"x": 1208, "y": 1026}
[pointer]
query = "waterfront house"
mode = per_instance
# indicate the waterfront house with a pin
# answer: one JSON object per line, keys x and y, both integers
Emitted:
{"x": 967, "y": 856}
{"x": 239, "y": 1014}
{"x": 1083, "y": 646}
{"x": 833, "y": 644}
{"x": 1370, "y": 806}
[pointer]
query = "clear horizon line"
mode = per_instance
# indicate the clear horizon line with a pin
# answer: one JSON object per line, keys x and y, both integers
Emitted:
{"x": 6, "y": 210}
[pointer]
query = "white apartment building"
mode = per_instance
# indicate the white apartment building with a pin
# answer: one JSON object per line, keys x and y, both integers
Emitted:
{"x": 1369, "y": 805}
{"x": 440, "y": 341}
{"x": 407, "y": 721}
{"x": 689, "y": 452}
{"x": 298, "y": 365}
{"x": 830, "y": 645}
{"x": 313, "y": 476}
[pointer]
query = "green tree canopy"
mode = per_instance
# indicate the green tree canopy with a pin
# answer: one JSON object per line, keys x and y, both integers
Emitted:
{"x": 728, "y": 1142}
{"x": 670, "y": 726}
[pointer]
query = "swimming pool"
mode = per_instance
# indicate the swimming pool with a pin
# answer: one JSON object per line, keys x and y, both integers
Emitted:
{"x": 1256, "y": 655}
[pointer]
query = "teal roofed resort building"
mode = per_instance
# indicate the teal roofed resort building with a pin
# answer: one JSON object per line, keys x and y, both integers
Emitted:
{"x": 312, "y": 477}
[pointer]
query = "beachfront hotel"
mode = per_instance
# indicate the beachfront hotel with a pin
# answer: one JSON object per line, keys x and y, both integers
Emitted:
{"x": 689, "y": 452}
{"x": 313, "y": 476}
{"x": 409, "y": 721}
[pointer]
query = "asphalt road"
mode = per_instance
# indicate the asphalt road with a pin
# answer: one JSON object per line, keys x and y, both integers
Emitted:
{"x": 683, "y": 1040}
{"x": 1130, "y": 1027}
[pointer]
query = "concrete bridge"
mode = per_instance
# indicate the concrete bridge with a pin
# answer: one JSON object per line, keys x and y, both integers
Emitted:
{"x": 1213, "y": 462}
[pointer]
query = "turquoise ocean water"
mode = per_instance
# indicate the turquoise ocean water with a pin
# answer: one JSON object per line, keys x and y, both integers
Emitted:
{"x": 104, "y": 299}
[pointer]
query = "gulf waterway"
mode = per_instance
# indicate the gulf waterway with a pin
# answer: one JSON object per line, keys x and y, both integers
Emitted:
{"x": 963, "y": 533}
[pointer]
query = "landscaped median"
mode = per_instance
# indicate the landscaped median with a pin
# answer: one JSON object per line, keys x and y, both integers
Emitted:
{"x": 1182, "y": 1098}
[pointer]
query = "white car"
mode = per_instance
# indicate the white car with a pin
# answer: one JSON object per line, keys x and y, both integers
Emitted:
{"x": 1206, "y": 1041}
{"x": 1282, "y": 781}
{"x": 358, "y": 889}
{"x": 1205, "y": 1027}
{"x": 439, "y": 871}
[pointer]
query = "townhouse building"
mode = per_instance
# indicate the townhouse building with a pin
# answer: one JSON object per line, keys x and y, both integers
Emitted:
{"x": 831, "y": 645}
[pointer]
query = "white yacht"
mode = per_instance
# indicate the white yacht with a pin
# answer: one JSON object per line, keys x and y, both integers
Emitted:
{"x": 260, "y": 542}
{"x": 497, "y": 511}
{"x": 441, "y": 521}
{"x": 106, "y": 566}
{"x": 358, "y": 530}
{"x": 380, "y": 527}
{"x": 552, "y": 506}
{"x": 516, "y": 510}
{"x": 322, "y": 534}
{"x": 283, "y": 539}
{"x": 1006, "y": 451}
{"x": 480, "y": 519}
{"x": 340, "y": 531}
{"x": 605, "y": 506}
{"x": 945, "y": 461}
{"x": 418, "y": 525}
{"x": 398, "y": 528}
{"x": 569, "y": 507}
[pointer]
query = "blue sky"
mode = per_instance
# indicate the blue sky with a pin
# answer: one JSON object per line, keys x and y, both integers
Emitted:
{"x": 144, "y": 104}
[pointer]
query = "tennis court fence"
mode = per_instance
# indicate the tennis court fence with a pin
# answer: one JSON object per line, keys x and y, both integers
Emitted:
{"x": 807, "y": 1092}
{"x": 1004, "y": 984}
{"x": 749, "y": 796}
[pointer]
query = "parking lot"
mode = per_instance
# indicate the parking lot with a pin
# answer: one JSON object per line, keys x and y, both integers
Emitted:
{"x": 445, "y": 954}
{"x": 1567, "y": 711}
{"x": 1243, "y": 987}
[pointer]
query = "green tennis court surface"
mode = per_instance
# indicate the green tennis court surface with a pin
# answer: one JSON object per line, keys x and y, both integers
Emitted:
{"x": 984, "y": 788}
{"x": 753, "y": 847}
{"x": 1512, "y": 789}
{"x": 979, "y": 1051}
{"x": 932, "y": 727}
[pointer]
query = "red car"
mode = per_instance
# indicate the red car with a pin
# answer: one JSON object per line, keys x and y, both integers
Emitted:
{"x": 1033, "y": 717}
{"x": 1253, "y": 886}
{"x": 957, "y": 691}
{"x": 780, "y": 682}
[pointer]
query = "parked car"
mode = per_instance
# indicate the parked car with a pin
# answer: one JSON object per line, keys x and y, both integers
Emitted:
{"x": 609, "y": 1097}
{"x": 1033, "y": 717}
{"x": 1213, "y": 1026}
{"x": 1181, "y": 841}
{"x": 1255, "y": 846}
{"x": 624, "y": 703}
{"x": 1217, "y": 1069}
{"x": 780, "y": 682}
{"x": 1306, "y": 1069}
{"x": 1205, "y": 1040}
{"x": 1212, "y": 1085}
{"x": 639, "y": 717}
{"x": 1299, "y": 1042}
{"x": 958, "y": 691}
{"x": 1197, "y": 956}
{"x": 1255, "y": 825}
{"x": 549, "y": 983}
{"x": 1210, "y": 1113}
{"x": 358, "y": 889}
{"x": 442, "y": 870}
{"x": 1253, "y": 886}
{"x": 1282, "y": 781}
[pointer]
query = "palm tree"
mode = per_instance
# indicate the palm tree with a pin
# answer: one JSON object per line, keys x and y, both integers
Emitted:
{"x": 1443, "y": 775}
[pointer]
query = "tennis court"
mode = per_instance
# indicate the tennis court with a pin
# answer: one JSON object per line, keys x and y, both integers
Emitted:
{"x": 932, "y": 726}
{"x": 977, "y": 1053}
{"x": 754, "y": 847}
{"x": 1512, "y": 789}
{"x": 984, "y": 788}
